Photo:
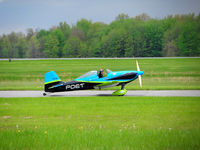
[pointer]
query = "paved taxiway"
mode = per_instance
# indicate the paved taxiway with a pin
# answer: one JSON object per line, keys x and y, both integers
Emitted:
{"x": 184, "y": 93}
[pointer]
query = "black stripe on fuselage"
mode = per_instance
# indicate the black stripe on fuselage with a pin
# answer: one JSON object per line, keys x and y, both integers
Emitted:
{"x": 125, "y": 76}
{"x": 70, "y": 86}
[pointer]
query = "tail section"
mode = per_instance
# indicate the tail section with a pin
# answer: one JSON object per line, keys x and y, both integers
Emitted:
{"x": 50, "y": 79}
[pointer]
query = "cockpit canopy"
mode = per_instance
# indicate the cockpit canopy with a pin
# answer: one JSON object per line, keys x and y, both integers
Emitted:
{"x": 108, "y": 70}
{"x": 92, "y": 74}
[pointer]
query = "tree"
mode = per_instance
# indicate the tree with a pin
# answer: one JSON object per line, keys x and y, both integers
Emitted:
{"x": 65, "y": 28}
{"x": 129, "y": 47}
{"x": 51, "y": 46}
{"x": 170, "y": 40}
{"x": 72, "y": 47}
{"x": 22, "y": 47}
{"x": 143, "y": 17}
{"x": 30, "y": 33}
{"x": 33, "y": 48}
{"x": 122, "y": 17}
{"x": 75, "y": 32}
{"x": 13, "y": 45}
{"x": 189, "y": 40}
{"x": 1, "y": 46}
{"x": 153, "y": 35}
{"x": 6, "y": 47}
{"x": 117, "y": 43}
{"x": 61, "y": 40}
{"x": 84, "y": 25}
{"x": 174, "y": 35}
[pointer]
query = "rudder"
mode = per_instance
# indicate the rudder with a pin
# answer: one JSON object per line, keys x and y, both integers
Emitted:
{"x": 50, "y": 79}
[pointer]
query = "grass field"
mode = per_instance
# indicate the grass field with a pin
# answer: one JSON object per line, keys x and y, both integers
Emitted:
{"x": 100, "y": 123}
{"x": 158, "y": 73}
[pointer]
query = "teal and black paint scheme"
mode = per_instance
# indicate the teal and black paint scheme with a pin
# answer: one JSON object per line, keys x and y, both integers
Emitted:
{"x": 91, "y": 80}
{"x": 54, "y": 84}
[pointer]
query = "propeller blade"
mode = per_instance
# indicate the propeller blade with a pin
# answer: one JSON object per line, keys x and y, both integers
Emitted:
{"x": 139, "y": 77}
{"x": 138, "y": 68}
{"x": 140, "y": 80}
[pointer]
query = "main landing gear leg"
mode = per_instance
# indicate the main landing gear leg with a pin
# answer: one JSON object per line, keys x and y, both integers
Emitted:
{"x": 122, "y": 87}
{"x": 121, "y": 92}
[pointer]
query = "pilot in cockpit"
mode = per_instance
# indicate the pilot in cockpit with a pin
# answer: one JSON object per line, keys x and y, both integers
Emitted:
{"x": 100, "y": 73}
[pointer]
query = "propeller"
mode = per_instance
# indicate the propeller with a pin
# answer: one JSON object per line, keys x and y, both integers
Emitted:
{"x": 139, "y": 76}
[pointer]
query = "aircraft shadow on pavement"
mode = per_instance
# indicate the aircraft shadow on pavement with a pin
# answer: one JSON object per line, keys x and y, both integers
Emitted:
{"x": 108, "y": 95}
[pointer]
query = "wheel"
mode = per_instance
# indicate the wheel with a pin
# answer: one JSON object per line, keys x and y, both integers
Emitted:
{"x": 119, "y": 92}
{"x": 44, "y": 94}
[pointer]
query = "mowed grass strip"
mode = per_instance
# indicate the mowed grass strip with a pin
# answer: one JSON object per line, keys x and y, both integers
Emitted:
{"x": 100, "y": 123}
{"x": 158, "y": 73}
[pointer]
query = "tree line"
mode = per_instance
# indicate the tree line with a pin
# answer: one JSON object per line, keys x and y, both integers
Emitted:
{"x": 141, "y": 36}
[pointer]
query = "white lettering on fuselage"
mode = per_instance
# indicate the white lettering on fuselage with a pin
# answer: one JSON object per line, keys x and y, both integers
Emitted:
{"x": 74, "y": 86}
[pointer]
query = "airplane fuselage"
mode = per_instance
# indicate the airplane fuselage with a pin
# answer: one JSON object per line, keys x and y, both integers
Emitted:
{"x": 89, "y": 80}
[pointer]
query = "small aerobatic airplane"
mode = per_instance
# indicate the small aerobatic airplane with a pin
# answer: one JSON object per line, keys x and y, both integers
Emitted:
{"x": 91, "y": 80}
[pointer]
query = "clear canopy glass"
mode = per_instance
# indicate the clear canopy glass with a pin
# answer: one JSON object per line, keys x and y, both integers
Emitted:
{"x": 88, "y": 74}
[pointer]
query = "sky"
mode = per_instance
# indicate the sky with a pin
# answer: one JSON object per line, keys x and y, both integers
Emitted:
{"x": 18, "y": 15}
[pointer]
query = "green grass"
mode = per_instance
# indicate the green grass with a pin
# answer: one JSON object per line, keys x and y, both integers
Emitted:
{"x": 158, "y": 73}
{"x": 100, "y": 123}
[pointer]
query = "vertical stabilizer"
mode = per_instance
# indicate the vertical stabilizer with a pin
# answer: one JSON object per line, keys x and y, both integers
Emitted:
{"x": 50, "y": 79}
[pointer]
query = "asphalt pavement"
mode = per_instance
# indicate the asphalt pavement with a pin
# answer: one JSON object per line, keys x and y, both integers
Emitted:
{"x": 88, "y": 93}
